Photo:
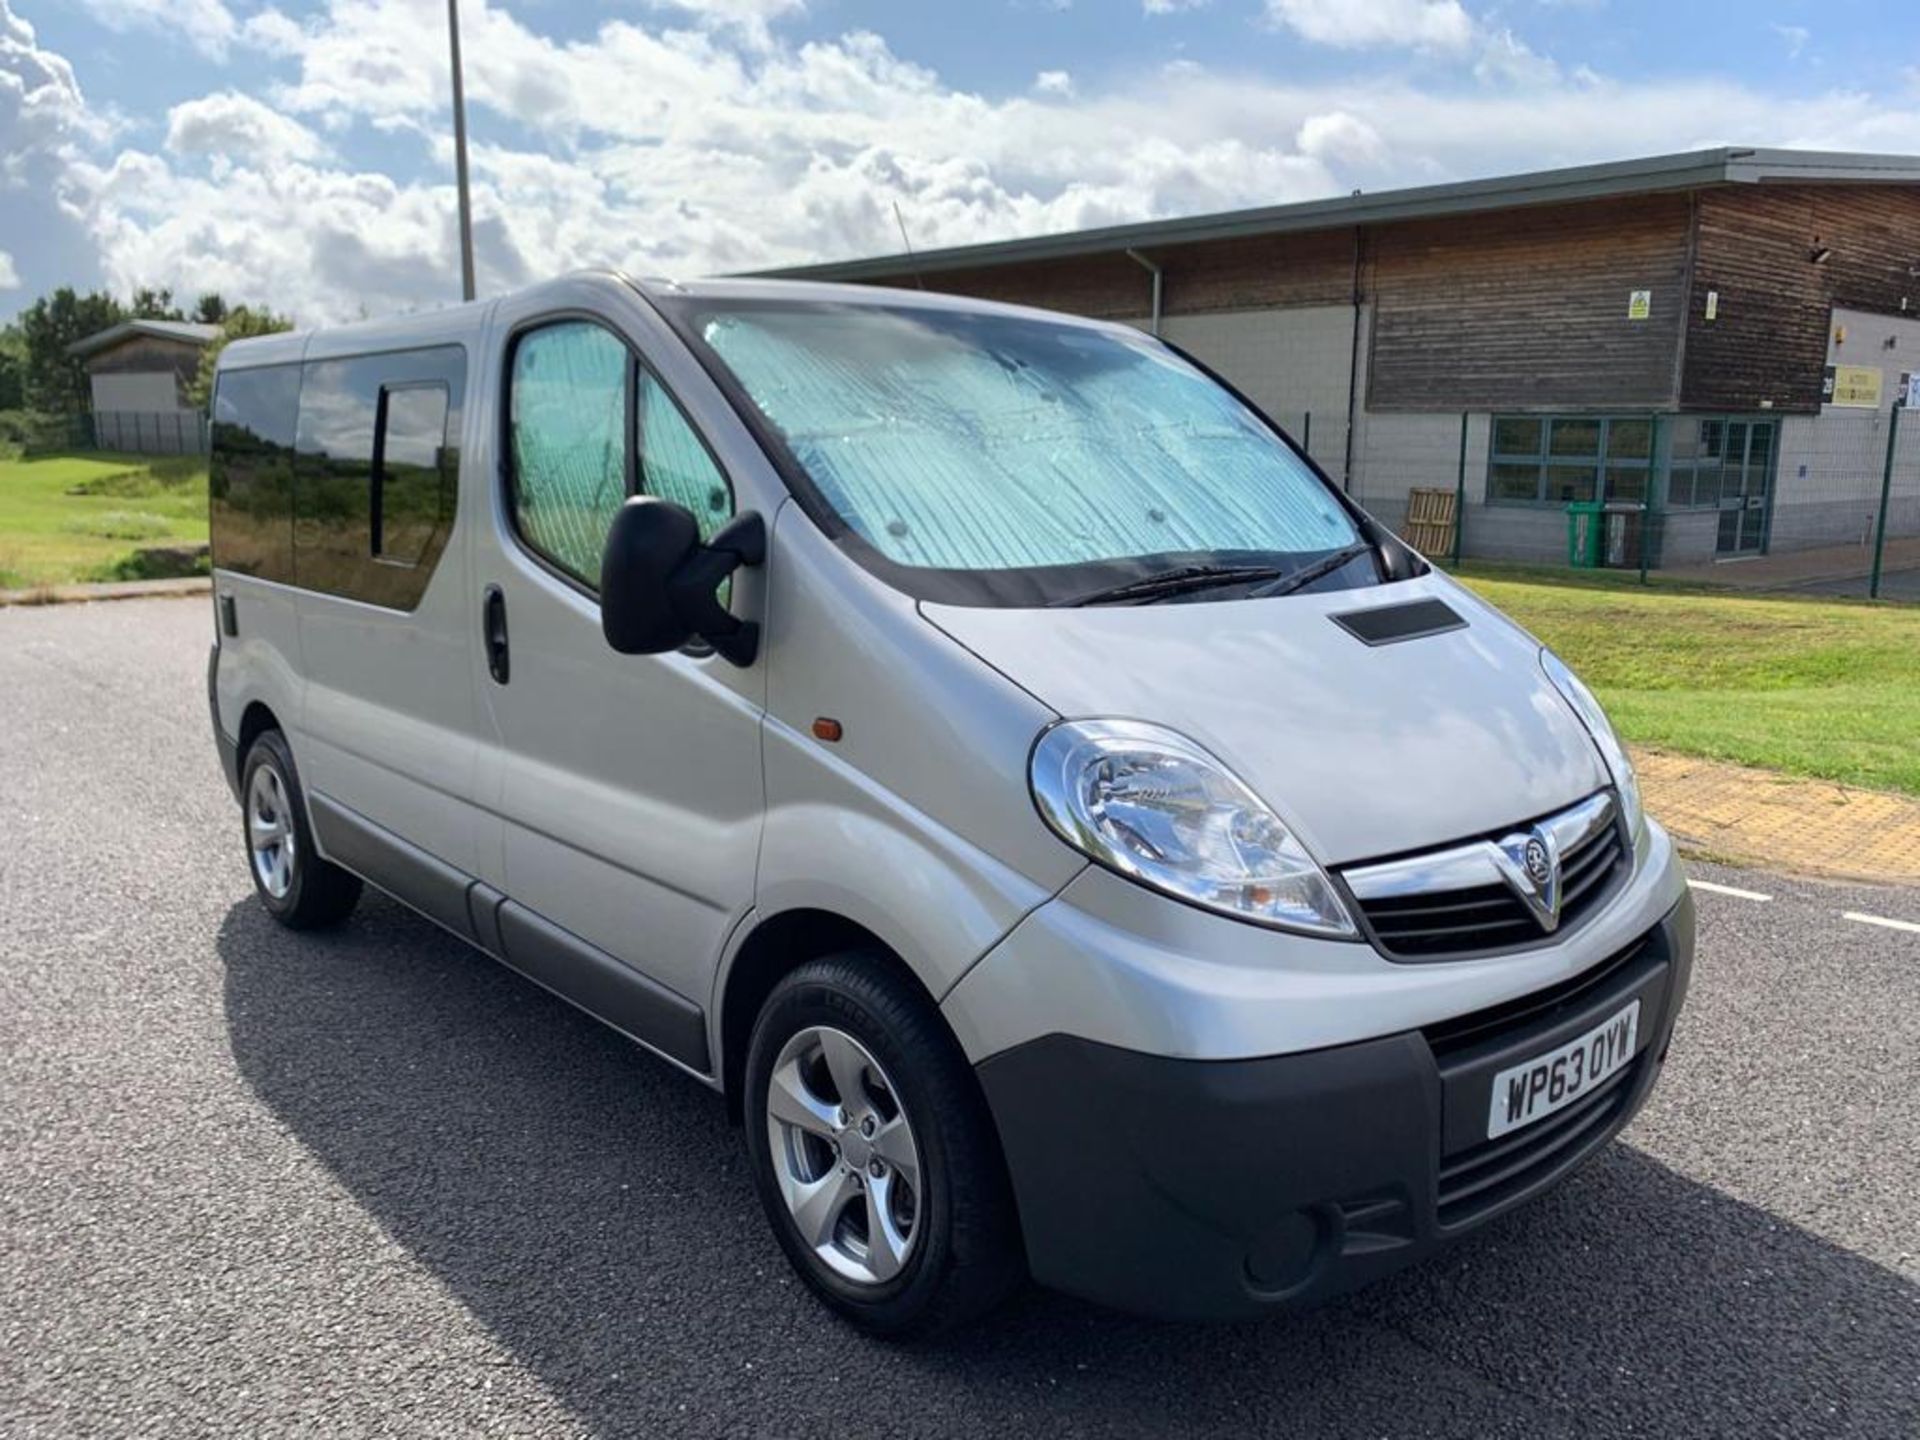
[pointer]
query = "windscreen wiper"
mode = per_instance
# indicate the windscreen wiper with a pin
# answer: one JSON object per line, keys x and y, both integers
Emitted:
{"x": 1307, "y": 574}
{"x": 1178, "y": 581}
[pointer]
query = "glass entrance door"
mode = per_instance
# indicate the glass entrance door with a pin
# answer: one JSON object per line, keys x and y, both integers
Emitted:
{"x": 1746, "y": 486}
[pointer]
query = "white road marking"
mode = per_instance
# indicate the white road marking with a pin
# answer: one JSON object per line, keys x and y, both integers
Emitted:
{"x": 1880, "y": 920}
{"x": 1728, "y": 890}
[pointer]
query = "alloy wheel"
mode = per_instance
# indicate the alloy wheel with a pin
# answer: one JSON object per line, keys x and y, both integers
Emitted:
{"x": 270, "y": 831}
{"x": 844, "y": 1155}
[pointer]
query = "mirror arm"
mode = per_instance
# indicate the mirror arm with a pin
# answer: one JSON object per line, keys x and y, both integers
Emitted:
{"x": 744, "y": 536}
{"x": 742, "y": 541}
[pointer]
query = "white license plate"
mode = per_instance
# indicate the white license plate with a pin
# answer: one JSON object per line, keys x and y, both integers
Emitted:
{"x": 1542, "y": 1085}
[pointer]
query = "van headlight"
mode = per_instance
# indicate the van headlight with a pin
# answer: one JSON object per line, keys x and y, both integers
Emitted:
{"x": 1574, "y": 691}
{"x": 1160, "y": 810}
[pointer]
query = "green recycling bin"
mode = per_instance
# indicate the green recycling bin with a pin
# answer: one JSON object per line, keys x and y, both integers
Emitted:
{"x": 1586, "y": 534}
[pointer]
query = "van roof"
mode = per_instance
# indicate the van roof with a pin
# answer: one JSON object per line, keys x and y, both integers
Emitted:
{"x": 463, "y": 324}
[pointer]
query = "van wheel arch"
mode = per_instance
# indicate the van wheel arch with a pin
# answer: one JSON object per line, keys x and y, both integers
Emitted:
{"x": 255, "y": 720}
{"x": 777, "y": 947}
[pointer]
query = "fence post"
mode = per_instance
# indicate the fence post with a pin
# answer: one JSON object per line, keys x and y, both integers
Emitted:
{"x": 1656, "y": 483}
{"x": 1460, "y": 492}
{"x": 1886, "y": 492}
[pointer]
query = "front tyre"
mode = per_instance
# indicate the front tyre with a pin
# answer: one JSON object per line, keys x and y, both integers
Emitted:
{"x": 298, "y": 888}
{"x": 873, "y": 1152}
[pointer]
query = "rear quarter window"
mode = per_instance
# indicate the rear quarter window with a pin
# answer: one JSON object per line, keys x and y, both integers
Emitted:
{"x": 250, "y": 475}
{"x": 378, "y": 473}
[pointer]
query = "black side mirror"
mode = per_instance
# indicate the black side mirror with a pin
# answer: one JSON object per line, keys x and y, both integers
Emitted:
{"x": 658, "y": 582}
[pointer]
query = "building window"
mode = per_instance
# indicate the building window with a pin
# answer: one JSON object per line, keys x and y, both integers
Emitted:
{"x": 1718, "y": 458}
{"x": 1557, "y": 459}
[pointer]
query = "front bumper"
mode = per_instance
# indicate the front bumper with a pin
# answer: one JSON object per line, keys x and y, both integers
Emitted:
{"x": 1200, "y": 1189}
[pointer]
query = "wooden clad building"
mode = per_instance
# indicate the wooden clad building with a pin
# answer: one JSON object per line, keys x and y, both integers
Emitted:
{"x": 138, "y": 373}
{"x": 1660, "y": 332}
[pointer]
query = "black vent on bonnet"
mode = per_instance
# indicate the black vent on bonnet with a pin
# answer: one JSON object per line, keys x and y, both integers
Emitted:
{"x": 1389, "y": 624}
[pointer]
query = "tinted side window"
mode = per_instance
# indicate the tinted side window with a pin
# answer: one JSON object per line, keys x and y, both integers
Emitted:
{"x": 569, "y": 435}
{"x": 410, "y": 491}
{"x": 342, "y": 406}
{"x": 674, "y": 464}
{"x": 250, "y": 474}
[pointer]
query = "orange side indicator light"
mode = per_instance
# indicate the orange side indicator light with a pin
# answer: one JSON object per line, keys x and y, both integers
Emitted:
{"x": 826, "y": 728}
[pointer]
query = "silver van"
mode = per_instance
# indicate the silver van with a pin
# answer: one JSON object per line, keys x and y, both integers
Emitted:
{"x": 1077, "y": 840}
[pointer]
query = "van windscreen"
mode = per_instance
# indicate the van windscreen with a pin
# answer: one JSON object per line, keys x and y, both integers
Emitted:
{"x": 1015, "y": 458}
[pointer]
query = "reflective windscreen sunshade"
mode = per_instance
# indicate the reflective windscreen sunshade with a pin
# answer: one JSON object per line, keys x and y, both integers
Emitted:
{"x": 958, "y": 440}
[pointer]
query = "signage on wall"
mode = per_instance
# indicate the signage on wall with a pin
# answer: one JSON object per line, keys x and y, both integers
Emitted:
{"x": 1639, "y": 304}
{"x": 1713, "y": 304}
{"x": 1854, "y": 387}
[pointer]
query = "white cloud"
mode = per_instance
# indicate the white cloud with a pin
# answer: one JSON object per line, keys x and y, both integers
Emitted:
{"x": 748, "y": 19}
{"x": 732, "y": 12}
{"x": 42, "y": 113}
{"x": 207, "y": 25}
{"x": 273, "y": 32}
{"x": 1340, "y": 138}
{"x": 1169, "y": 7}
{"x": 1376, "y": 24}
{"x": 1795, "y": 38}
{"x": 1507, "y": 59}
{"x": 9, "y": 276}
{"x": 237, "y": 127}
{"x": 1053, "y": 82}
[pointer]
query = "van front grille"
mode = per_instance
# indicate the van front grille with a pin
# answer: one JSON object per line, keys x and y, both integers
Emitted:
{"x": 1484, "y": 1177}
{"x": 1486, "y": 915}
{"x": 1537, "y": 1010}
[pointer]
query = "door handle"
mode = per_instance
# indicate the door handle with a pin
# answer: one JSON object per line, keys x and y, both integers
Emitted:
{"x": 493, "y": 626}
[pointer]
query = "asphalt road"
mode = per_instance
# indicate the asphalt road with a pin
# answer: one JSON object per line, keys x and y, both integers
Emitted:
{"x": 372, "y": 1184}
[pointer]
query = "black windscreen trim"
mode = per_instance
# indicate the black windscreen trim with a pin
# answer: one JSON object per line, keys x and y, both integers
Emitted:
{"x": 1389, "y": 624}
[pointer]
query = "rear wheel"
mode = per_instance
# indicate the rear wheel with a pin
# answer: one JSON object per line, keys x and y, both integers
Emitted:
{"x": 298, "y": 888}
{"x": 873, "y": 1152}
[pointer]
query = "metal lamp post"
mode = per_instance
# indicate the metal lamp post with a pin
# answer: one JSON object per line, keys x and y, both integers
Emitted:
{"x": 460, "y": 152}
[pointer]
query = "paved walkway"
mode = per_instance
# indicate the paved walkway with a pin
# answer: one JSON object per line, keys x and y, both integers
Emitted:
{"x": 1803, "y": 569}
{"x": 108, "y": 590}
{"x": 1813, "y": 827}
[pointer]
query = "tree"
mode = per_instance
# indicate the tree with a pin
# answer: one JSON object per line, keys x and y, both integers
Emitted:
{"x": 151, "y": 304}
{"x": 13, "y": 368}
{"x": 210, "y": 309}
{"x": 56, "y": 382}
{"x": 241, "y": 323}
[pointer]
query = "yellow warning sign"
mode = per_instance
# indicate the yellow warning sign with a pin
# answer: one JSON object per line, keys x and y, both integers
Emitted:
{"x": 1856, "y": 386}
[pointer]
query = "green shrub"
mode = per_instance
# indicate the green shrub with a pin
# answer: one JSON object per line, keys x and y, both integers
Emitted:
{"x": 121, "y": 525}
{"x": 158, "y": 562}
{"x": 174, "y": 472}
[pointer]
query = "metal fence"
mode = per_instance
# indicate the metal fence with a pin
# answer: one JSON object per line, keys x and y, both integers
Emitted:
{"x": 1818, "y": 504}
{"x": 126, "y": 432}
{"x": 181, "y": 432}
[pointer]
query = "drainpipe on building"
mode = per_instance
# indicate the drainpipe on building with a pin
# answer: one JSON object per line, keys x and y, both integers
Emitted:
{"x": 1154, "y": 270}
{"x": 1353, "y": 371}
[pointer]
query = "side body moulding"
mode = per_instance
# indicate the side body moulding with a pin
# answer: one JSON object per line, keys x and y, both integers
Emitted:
{"x": 581, "y": 974}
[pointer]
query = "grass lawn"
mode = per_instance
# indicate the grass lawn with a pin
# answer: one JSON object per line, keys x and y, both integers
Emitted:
{"x": 1827, "y": 688}
{"x": 82, "y": 517}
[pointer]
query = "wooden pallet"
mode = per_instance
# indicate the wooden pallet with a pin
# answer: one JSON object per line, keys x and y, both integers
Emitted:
{"x": 1431, "y": 516}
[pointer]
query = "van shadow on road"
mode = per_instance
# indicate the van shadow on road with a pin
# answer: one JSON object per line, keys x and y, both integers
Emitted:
{"x": 591, "y": 1207}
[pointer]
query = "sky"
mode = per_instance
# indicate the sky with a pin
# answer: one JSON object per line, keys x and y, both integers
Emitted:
{"x": 298, "y": 153}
